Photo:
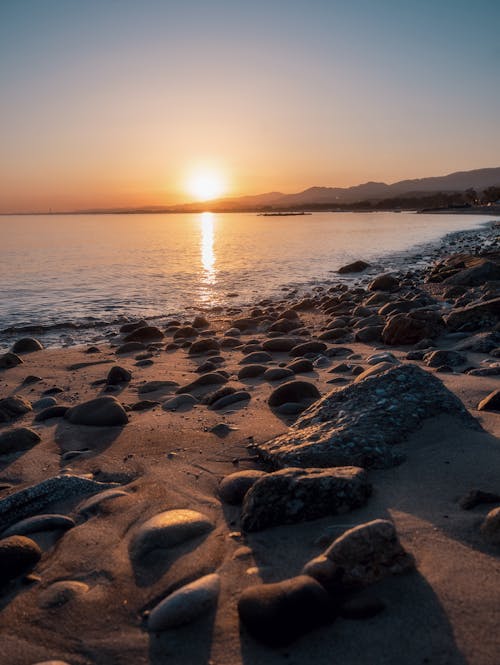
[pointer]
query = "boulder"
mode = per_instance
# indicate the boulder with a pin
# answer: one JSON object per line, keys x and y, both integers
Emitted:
{"x": 483, "y": 271}
{"x": 361, "y": 424}
{"x": 477, "y": 315}
{"x": 232, "y": 488}
{"x": 444, "y": 357}
{"x": 412, "y": 327}
{"x": 279, "y": 613}
{"x": 40, "y": 523}
{"x": 293, "y": 391}
{"x": 307, "y": 347}
{"x": 154, "y": 386}
{"x": 130, "y": 347}
{"x": 18, "y": 555}
{"x": 203, "y": 381}
{"x": 13, "y": 407}
{"x": 26, "y": 345}
{"x": 186, "y": 604}
{"x": 256, "y": 358}
{"x": 384, "y": 282}
{"x": 8, "y": 360}
{"x": 301, "y": 366}
{"x": 57, "y": 411}
{"x": 180, "y": 402}
{"x": 15, "y": 440}
{"x": 369, "y": 334}
{"x": 280, "y": 344}
{"x": 355, "y": 266}
{"x": 277, "y": 374}
{"x": 99, "y": 412}
{"x": 295, "y": 495}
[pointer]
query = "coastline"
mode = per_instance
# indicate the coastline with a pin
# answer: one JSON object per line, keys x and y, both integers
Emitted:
{"x": 441, "y": 611}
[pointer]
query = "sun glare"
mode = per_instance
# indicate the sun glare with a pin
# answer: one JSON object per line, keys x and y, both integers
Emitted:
{"x": 206, "y": 184}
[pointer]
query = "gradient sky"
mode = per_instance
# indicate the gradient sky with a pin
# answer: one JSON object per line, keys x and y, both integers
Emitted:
{"x": 114, "y": 102}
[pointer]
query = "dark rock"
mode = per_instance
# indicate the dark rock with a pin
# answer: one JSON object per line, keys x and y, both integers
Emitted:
{"x": 384, "y": 282}
{"x": 412, "y": 327}
{"x": 477, "y": 497}
{"x": 118, "y": 375}
{"x": 203, "y": 345}
{"x": 200, "y": 322}
{"x": 9, "y": 360}
{"x": 57, "y": 411}
{"x": 369, "y": 334}
{"x": 145, "y": 334}
{"x": 130, "y": 347}
{"x": 483, "y": 271}
{"x": 301, "y": 366}
{"x": 154, "y": 386}
{"x": 280, "y": 344}
{"x": 27, "y": 345}
{"x": 233, "y": 398}
{"x": 362, "y": 424}
{"x": 15, "y": 440}
{"x": 232, "y": 488}
{"x": 144, "y": 405}
{"x": 307, "y": 347}
{"x": 256, "y": 357}
{"x": 210, "y": 379}
{"x": 293, "y": 391}
{"x": 98, "y": 412}
{"x": 279, "y": 613}
{"x": 251, "y": 371}
{"x": 491, "y": 402}
{"x": 356, "y": 266}
{"x": 182, "y": 402}
{"x": 442, "y": 357}
{"x": 295, "y": 495}
{"x": 18, "y": 555}
{"x": 229, "y": 342}
{"x": 40, "y": 523}
{"x": 30, "y": 379}
{"x": 333, "y": 334}
{"x": 133, "y": 325}
{"x": 13, "y": 407}
{"x": 477, "y": 315}
{"x": 277, "y": 374}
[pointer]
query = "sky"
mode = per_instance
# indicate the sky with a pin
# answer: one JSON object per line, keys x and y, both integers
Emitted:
{"x": 107, "y": 103}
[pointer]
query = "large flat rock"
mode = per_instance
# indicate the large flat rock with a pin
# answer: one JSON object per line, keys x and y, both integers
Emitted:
{"x": 362, "y": 424}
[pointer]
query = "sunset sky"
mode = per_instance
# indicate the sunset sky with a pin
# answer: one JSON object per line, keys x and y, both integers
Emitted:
{"x": 117, "y": 102}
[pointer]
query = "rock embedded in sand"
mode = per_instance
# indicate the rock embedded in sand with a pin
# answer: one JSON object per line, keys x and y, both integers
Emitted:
{"x": 27, "y": 345}
{"x": 490, "y": 528}
{"x": 251, "y": 371}
{"x": 210, "y": 379}
{"x": 256, "y": 357}
{"x": 40, "y": 523}
{"x": 491, "y": 402}
{"x": 412, "y": 327}
{"x": 13, "y": 407}
{"x": 57, "y": 411}
{"x": 153, "y": 386}
{"x": 186, "y": 332}
{"x": 203, "y": 345}
{"x": 98, "y": 412}
{"x": 277, "y": 374}
{"x": 355, "y": 266}
{"x": 232, "y": 488}
{"x": 369, "y": 334}
{"x": 307, "y": 347}
{"x": 184, "y": 401}
{"x": 280, "y": 344}
{"x": 200, "y": 322}
{"x": 385, "y": 282}
{"x": 477, "y": 315}
{"x": 186, "y": 604}
{"x": 279, "y": 613}
{"x": 444, "y": 357}
{"x": 18, "y": 555}
{"x": 301, "y": 366}
{"x": 362, "y": 424}
{"x": 96, "y": 503}
{"x": 20, "y": 438}
{"x": 145, "y": 334}
{"x": 8, "y": 360}
{"x": 232, "y": 398}
{"x": 168, "y": 529}
{"x": 61, "y": 592}
{"x": 295, "y": 495}
{"x": 293, "y": 391}
{"x": 118, "y": 375}
{"x": 130, "y": 347}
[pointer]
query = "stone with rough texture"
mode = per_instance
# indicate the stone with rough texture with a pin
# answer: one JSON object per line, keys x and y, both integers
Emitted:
{"x": 444, "y": 357}
{"x": 232, "y": 488}
{"x": 280, "y": 344}
{"x": 186, "y": 604}
{"x": 412, "y": 327}
{"x": 295, "y": 495}
{"x": 18, "y": 555}
{"x": 98, "y": 412}
{"x": 477, "y": 315}
{"x": 15, "y": 440}
{"x": 368, "y": 553}
{"x": 361, "y": 424}
{"x": 490, "y": 528}
{"x": 167, "y": 530}
{"x": 279, "y": 613}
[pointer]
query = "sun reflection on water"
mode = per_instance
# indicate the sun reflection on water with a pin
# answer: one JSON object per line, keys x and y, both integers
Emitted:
{"x": 207, "y": 255}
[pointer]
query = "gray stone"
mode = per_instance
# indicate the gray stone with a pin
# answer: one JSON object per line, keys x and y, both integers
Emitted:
{"x": 295, "y": 495}
{"x": 98, "y": 412}
{"x": 203, "y": 381}
{"x": 355, "y": 266}
{"x": 361, "y": 424}
{"x": 256, "y": 358}
{"x": 44, "y": 403}
{"x": 251, "y": 371}
{"x": 233, "y": 398}
{"x": 57, "y": 411}
{"x": 443, "y": 357}
{"x": 277, "y": 374}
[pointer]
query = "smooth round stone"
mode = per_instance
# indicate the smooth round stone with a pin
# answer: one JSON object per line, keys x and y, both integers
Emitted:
{"x": 232, "y": 488}
{"x": 186, "y": 604}
{"x": 60, "y": 593}
{"x": 293, "y": 391}
{"x": 277, "y": 374}
{"x": 44, "y": 403}
{"x": 256, "y": 358}
{"x": 117, "y": 375}
{"x": 18, "y": 555}
{"x": 94, "y": 505}
{"x": 20, "y": 438}
{"x": 251, "y": 371}
{"x": 168, "y": 529}
{"x": 27, "y": 345}
{"x": 57, "y": 411}
{"x": 233, "y": 398}
{"x": 184, "y": 401}
{"x": 8, "y": 360}
{"x": 99, "y": 412}
{"x": 39, "y": 523}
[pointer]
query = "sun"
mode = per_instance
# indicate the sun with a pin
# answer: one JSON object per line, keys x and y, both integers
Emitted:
{"x": 206, "y": 184}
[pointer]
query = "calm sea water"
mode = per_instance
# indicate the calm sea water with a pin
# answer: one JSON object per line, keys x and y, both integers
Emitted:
{"x": 86, "y": 269}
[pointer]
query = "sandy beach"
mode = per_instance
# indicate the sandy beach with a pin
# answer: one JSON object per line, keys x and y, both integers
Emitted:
{"x": 90, "y": 592}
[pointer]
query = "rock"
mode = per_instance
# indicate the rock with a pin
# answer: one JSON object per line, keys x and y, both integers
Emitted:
{"x": 490, "y": 528}
{"x": 384, "y": 282}
{"x": 97, "y": 503}
{"x": 186, "y": 332}
{"x": 39, "y": 523}
{"x": 361, "y": 424}
{"x": 442, "y": 357}
{"x": 477, "y": 497}
{"x": 229, "y": 342}
{"x": 60, "y": 593}
{"x": 98, "y": 412}
{"x": 200, "y": 322}
{"x": 280, "y": 344}
{"x": 145, "y": 334}
{"x": 52, "y": 662}
{"x": 385, "y": 357}
{"x": 130, "y": 347}
{"x": 186, "y": 604}
{"x": 133, "y": 325}
{"x": 355, "y": 266}
{"x": 307, "y": 347}
{"x": 227, "y": 400}
{"x": 369, "y": 334}
{"x": 371, "y": 371}
{"x": 277, "y": 374}
{"x": 203, "y": 345}
{"x": 251, "y": 371}
{"x": 18, "y": 555}
{"x": 153, "y": 386}
{"x": 13, "y": 407}
{"x": 333, "y": 334}
{"x": 168, "y": 529}
{"x": 285, "y": 325}
{"x": 368, "y": 553}
{"x": 210, "y": 379}
{"x": 477, "y": 315}
{"x": 31, "y": 500}
{"x": 57, "y": 411}
{"x": 279, "y": 613}
{"x": 15, "y": 440}
{"x": 180, "y": 402}
{"x": 293, "y": 391}
{"x": 8, "y": 360}
{"x": 483, "y": 271}
{"x": 222, "y": 430}
{"x": 256, "y": 358}
{"x": 491, "y": 402}
{"x": 301, "y": 366}
{"x": 232, "y": 488}
{"x": 44, "y": 403}
{"x": 30, "y": 379}
{"x": 291, "y": 408}
{"x": 295, "y": 495}
{"x": 26, "y": 345}
{"x": 412, "y": 327}
{"x": 118, "y": 375}
{"x": 144, "y": 405}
